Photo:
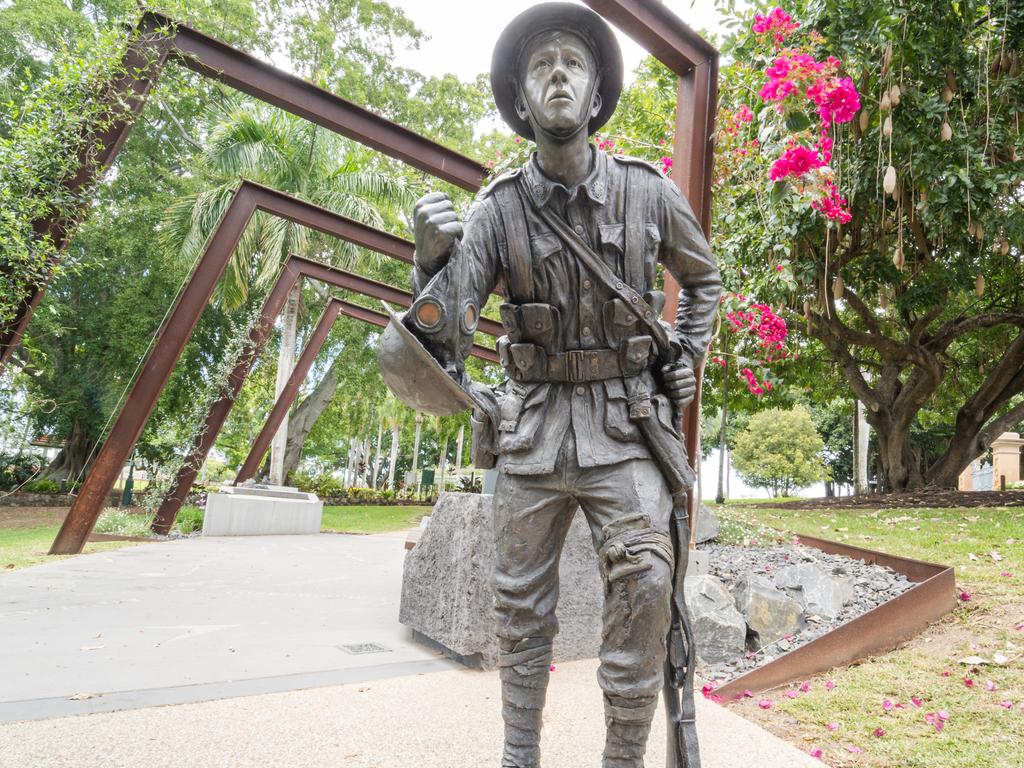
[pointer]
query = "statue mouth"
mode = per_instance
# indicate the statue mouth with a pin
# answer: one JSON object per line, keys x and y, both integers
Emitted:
{"x": 560, "y": 96}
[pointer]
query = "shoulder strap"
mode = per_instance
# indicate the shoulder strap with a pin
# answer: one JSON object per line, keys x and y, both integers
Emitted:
{"x": 633, "y": 257}
{"x": 520, "y": 261}
{"x": 643, "y": 311}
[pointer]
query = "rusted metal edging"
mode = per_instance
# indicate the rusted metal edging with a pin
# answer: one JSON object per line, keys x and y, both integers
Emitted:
{"x": 877, "y": 631}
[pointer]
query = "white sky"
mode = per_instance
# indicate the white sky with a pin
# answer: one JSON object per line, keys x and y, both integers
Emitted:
{"x": 463, "y": 32}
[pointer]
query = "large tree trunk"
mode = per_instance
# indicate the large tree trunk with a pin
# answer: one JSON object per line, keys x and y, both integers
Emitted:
{"x": 396, "y": 432}
{"x": 70, "y": 463}
{"x": 285, "y": 364}
{"x": 305, "y": 416}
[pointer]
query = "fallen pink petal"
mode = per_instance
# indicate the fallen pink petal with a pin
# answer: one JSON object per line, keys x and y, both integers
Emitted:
{"x": 765, "y": 703}
{"x": 916, "y": 701}
{"x": 879, "y": 732}
{"x": 887, "y": 704}
{"x": 946, "y": 673}
{"x": 829, "y": 685}
{"x": 1006, "y": 575}
{"x": 748, "y": 694}
{"x": 832, "y": 726}
{"x": 965, "y": 597}
{"x": 816, "y": 753}
{"x": 805, "y": 687}
{"x": 968, "y": 682}
{"x": 853, "y": 748}
{"x": 790, "y": 694}
{"x": 990, "y": 686}
{"x": 1006, "y": 704}
{"x": 943, "y": 715}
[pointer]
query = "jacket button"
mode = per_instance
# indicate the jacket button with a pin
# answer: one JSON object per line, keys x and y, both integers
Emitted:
{"x": 586, "y": 284}
{"x": 579, "y": 229}
{"x": 581, "y": 391}
{"x": 586, "y": 330}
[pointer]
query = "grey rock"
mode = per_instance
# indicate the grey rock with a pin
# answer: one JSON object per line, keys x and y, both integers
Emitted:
{"x": 817, "y": 592}
{"x": 770, "y": 613}
{"x": 708, "y": 525}
{"x": 719, "y": 629}
{"x": 446, "y": 584}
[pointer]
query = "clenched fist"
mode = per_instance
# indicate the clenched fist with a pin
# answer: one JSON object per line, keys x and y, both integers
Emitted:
{"x": 435, "y": 227}
{"x": 680, "y": 384}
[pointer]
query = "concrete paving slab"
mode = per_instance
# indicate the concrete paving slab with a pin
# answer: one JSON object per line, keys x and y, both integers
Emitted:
{"x": 441, "y": 720}
{"x": 199, "y": 611}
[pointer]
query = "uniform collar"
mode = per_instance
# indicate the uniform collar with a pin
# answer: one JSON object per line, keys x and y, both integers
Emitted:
{"x": 595, "y": 186}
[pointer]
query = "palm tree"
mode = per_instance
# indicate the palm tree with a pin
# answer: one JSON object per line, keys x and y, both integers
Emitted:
{"x": 266, "y": 145}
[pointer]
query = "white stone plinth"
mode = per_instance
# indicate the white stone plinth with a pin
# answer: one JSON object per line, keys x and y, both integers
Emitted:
{"x": 263, "y": 511}
{"x": 1006, "y": 459}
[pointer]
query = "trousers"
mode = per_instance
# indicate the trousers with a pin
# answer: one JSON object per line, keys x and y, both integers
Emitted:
{"x": 627, "y": 506}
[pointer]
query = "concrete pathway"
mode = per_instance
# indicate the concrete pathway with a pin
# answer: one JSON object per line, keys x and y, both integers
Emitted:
{"x": 256, "y": 642}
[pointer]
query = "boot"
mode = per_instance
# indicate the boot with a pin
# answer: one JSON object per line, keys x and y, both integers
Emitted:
{"x": 524, "y": 668}
{"x": 629, "y": 724}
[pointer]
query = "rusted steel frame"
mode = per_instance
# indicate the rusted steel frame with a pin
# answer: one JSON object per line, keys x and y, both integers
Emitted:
{"x": 658, "y": 29}
{"x": 306, "y": 214}
{"x": 877, "y": 631}
{"x": 246, "y": 73}
{"x": 216, "y": 60}
{"x": 301, "y": 370}
{"x": 218, "y": 413}
{"x": 171, "y": 340}
{"x": 290, "y": 392}
{"x": 142, "y": 63}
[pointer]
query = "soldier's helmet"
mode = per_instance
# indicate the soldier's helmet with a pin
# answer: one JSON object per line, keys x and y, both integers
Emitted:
{"x": 544, "y": 18}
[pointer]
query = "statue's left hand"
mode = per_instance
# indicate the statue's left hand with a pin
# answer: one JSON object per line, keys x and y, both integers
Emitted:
{"x": 680, "y": 384}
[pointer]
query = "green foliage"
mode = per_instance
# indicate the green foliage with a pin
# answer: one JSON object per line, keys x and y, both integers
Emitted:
{"x": 18, "y": 468}
{"x": 122, "y": 522}
{"x": 189, "y": 520}
{"x": 780, "y": 450}
{"x": 41, "y": 486}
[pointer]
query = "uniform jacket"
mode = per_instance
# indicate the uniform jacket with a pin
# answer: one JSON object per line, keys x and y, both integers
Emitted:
{"x": 671, "y": 236}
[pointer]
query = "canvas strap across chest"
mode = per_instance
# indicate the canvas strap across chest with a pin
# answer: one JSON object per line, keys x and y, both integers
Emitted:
{"x": 519, "y": 267}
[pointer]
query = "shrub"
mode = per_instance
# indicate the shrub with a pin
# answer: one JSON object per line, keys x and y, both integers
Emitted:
{"x": 16, "y": 469}
{"x": 189, "y": 520}
{"x": 41, "y": 486}
{"x": 121, "y": 522}
{"x": 781, "y": 451}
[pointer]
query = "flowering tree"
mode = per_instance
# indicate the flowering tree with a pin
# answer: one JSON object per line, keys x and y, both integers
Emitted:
{"x": 890, "y": 216}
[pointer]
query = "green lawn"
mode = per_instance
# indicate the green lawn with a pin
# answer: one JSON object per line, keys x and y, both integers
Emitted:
{"x": 22, "y": 547}
{"x": 372, "y": 519}
{"x": 987, "y": 548}
{"x": 26, "y": 535}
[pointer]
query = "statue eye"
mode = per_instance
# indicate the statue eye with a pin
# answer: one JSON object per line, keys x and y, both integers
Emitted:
{"x": 575, "y": 63}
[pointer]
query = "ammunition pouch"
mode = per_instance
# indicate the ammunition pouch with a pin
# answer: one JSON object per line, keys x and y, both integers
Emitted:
{"x": 538, "y": 324}
{"x": 530, "y": 363}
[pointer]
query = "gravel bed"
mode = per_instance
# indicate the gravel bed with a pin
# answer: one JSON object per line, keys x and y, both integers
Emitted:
{"x": 872, "y": 586}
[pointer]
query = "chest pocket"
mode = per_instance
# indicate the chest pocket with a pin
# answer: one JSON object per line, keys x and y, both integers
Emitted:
{"x": 639, "y": 265}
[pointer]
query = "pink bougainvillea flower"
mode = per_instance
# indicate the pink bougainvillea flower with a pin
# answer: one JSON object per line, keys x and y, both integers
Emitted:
{"x": 965, "y": 597}
{"x": 1006, "y": 704}
{"x": 765, "y": 703}
{"x": 837, "y": 101}
{"x": 744, "y": 115}
{"x": 991, "y": 686}
{"x": 795, "y": 161}
{"x": 805, "y": 687}
{"x": 833, "y": 727}
{"x": 829, "y": 685}
{"x": 887, "y": 705}
{"x": 879, "y": 733}
{"x": 777, "y": 23}
{"x": 916, "y": 701}
{"x": 816, "y": 753}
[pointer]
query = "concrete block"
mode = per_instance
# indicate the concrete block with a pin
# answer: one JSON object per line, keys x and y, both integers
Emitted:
{"x": 268, "y": 511}
{"x": 446, "y": 584}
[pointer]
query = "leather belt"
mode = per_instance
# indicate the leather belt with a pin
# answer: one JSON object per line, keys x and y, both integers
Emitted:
{"x": 582, "y": 365}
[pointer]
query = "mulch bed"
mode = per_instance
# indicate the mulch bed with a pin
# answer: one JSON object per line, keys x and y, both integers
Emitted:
{"x": 911, "y": 500}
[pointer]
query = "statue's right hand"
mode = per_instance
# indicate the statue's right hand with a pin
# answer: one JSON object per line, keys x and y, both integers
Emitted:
{"x": 435, "y": 227}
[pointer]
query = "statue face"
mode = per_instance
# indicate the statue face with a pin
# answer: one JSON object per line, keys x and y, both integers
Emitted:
{"x": 557, "y": 83}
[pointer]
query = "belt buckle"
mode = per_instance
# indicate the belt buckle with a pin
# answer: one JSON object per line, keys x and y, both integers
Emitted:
{"x": 575, "y": 366}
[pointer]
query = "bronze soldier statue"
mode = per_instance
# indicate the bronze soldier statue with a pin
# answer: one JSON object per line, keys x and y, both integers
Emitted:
{"x": 589, "y": 415}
